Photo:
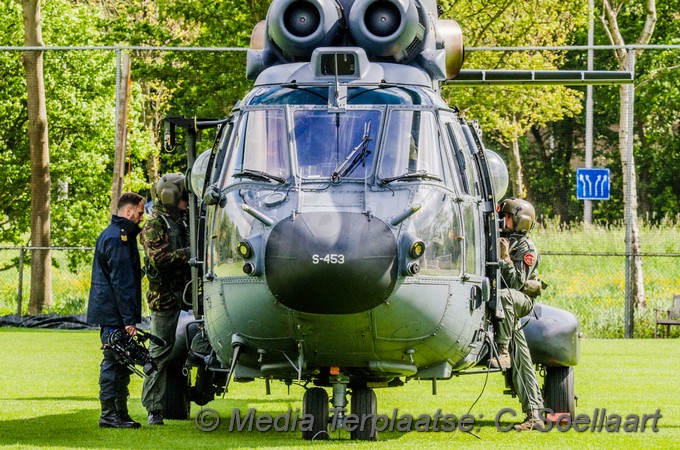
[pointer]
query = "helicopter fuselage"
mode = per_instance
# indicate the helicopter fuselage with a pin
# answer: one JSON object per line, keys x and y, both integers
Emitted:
{"x": 352, "y": 230}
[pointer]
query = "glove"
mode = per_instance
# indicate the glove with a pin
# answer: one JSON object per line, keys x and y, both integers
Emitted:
{"x": 184, "y": 253}
{"x": 532, "y": 288}
{"x": 504, "y": 245}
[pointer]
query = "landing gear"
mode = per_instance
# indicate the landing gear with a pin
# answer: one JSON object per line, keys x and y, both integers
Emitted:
{"x": 364, "y": 403}
{"x": 558, "y": 390}
{"x": 176, "y": 404}
{"x": 315, "y": 403}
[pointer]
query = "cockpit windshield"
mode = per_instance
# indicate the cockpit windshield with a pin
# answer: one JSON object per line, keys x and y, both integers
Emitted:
{"x": 261, "y": 147}
{"x": 328, "y": 145}
{"x": 411, "y": 148}
{"x": 337, "y": 145}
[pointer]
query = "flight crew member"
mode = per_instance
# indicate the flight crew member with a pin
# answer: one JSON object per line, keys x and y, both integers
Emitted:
{"x": 115, "y": 303}
{"x": 165, "y": 238}
{"x": 519, "y": 286}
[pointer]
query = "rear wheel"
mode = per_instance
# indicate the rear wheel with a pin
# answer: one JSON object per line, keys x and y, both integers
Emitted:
{"x": 315, "y": 403}
{"x": 558, "y": 390}
{"x": 176, "y": 404}
{"x": 364, "y": 403}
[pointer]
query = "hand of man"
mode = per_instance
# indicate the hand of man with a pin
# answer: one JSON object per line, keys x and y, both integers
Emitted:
{"x": 532, "y": 288}
{"x": 132, "y": 331}
{"x": 504, "y": 245}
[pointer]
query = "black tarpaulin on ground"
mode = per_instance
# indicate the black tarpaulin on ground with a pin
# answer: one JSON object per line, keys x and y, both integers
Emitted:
{"x": 77, "y": 322}
{"x": 58, "y": 321}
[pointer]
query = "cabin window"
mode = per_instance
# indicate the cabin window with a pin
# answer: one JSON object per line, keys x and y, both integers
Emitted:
{"x": 472, "y": 246}
{"x": 443, "y": 239}
{"x": 461, "y": 157}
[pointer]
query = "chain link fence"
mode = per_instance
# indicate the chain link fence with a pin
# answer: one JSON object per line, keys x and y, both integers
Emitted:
{"x": 71, "y": 276}
{"x": 589, "y": 284}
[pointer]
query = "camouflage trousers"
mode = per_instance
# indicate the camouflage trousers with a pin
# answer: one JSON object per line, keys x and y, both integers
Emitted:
{"x": 163, "y": 325}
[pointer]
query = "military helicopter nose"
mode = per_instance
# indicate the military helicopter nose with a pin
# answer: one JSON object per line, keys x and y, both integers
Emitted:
{"x": 331, "y": 262}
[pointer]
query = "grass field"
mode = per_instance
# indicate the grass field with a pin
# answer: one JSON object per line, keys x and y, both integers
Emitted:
{"x": 48, "y": 399}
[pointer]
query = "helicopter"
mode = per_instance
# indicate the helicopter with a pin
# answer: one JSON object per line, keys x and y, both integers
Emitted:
{"x": 344, "y": 233}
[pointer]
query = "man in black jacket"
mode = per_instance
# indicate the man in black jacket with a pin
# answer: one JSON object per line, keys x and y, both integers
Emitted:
{"x": 116, "y": 303}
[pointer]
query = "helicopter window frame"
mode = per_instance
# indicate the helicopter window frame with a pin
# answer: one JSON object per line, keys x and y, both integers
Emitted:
{"x": 370, "y": 163}
{"x": 436, "y": 144}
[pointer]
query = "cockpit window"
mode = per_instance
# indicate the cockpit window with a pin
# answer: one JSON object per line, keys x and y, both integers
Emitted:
{"x": 335, "y": 144}
{"x": 261, "y": 150}
{"x": 411, "y": 148}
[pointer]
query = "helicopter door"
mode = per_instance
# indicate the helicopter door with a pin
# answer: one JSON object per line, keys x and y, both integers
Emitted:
{"x": 215, "y": 159}
{"x": 468, "y": 187}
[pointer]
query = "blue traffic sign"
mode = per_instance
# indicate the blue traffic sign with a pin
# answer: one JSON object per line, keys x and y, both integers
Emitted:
{"x": 592, "y": 184}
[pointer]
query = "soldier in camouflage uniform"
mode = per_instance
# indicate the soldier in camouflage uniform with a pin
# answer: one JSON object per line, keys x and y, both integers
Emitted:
{"x": 165, "y": 238}
{"x": 519, "y": 286}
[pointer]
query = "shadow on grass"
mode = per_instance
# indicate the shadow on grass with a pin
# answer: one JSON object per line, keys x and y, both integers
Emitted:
{"x": 80, "y": 430}
{"x": 74, "y": 398}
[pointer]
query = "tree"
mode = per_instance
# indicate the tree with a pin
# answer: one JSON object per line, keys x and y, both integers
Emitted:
{"x": 625, "y": 57}
{"x": 509, "y": 112}
{"x": 192, "y": 84}
{"x": 41, "y": 261}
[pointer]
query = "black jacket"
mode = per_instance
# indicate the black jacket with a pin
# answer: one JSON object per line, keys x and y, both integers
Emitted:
{"x": 116, "y": 290}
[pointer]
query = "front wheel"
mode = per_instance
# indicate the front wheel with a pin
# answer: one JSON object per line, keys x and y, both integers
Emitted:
{"x": 315, "y": 403}
{"x": 558, "y": 390}
{"x": 364, "y": 404}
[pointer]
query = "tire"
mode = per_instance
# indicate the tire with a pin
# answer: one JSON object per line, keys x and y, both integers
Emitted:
{"x": 364, "y": 403}
{"x": 558, "y": 390}
{"x": 176, "y": 404}
{"x": 315, "y": 403}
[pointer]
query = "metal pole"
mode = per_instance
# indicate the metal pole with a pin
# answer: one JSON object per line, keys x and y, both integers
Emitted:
{"x": 20, "y": 292}
{"x": 588, "y": 204}
{"x": 192, "y": 132}
{"x": 629, "y": 218}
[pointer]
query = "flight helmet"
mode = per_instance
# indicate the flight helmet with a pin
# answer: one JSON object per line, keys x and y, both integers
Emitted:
{"x": 170, "y": 189}
{"x": 522, "y": 212}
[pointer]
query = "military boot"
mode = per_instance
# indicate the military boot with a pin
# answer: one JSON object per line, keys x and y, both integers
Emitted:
{"x": 156, "y": 418}
{"x": 503, "y": 357}
{"x": 122, "y": 411}
{"x": 110, "y": 418}
{"x": 533, "y": 421}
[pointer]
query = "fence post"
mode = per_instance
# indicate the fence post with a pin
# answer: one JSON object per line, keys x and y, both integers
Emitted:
{"x": 630, "y": 216}
{"x": 20, "y": 293}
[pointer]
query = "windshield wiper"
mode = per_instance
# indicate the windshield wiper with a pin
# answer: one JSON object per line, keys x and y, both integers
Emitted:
{"x": 356, "y": 156}
{"x": 259, "y": 175}
{"x": 411, "y": 175}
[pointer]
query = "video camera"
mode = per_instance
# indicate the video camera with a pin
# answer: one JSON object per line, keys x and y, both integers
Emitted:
{"x": 131, "y": 350}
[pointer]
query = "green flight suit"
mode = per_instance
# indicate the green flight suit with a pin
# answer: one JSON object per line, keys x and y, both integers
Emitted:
{"x": 519, "y": 276}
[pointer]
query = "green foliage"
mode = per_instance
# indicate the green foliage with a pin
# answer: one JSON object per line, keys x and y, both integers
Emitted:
{"x": 184, "y": 83}
{"x": 511, "y": 111}
{"x": 79, "y": 91}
